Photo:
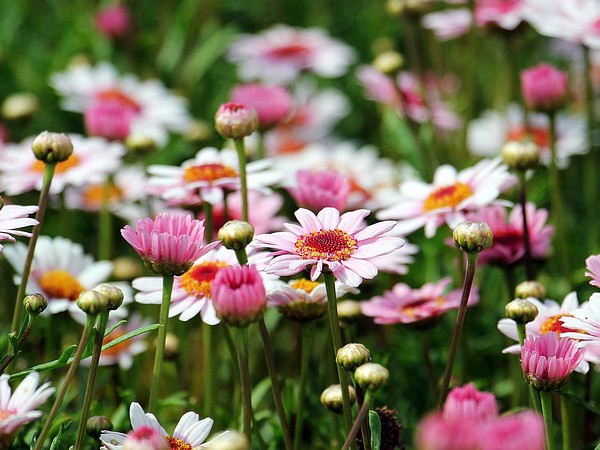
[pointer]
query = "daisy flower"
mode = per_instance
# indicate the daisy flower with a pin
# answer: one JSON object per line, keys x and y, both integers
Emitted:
{"x": 488, "y": 134}
{"x": 508, "y": 247}
{"x": 548, "y": 320}
{"x": 583, "y": 324}
{"x": 92, "y": 160}
{"x": 280, "y": 54}
{"x": 402, "y": 304}
{"x": 13, "y": 217}
{"x": 60, "y": 271}
{"x": 505, "y": 14}
{"x": 208, "y": 174}
{"x": 327, "y": 241}
{"x": 592, "y": 263}
{"x": 151, "y": 109}
{"x": 18, "y": 408}
{"x": 451, "y": 195}
{"x": 190, "y": 432}
{"x": 191, "y": 291}
{"x": 449, "y": 23}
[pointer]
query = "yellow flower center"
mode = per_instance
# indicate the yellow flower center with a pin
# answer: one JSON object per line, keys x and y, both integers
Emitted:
{"x": 61, "y": 167}
{"x": 305, "y": 285}
{"x": 208, "y": 173}
{"x": 447, "y": 196}
{"x": 178, "y": 444}
{"x": 60, "y": 284}
{"x": 553, "y": 324}
{"x": 93, "y": 196}
{"x": 198, "y": 279}
{"x": 330, "y": 245}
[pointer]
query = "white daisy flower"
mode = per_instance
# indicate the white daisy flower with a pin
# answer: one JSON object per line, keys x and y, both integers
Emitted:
{"x": 584, "y": 325}
{"x": 92, "y": 160}
{"x": 190, "y": 433}
{"x": 13, "y": 217}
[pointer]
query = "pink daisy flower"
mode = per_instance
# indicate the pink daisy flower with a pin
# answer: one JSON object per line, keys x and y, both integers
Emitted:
{"x": 18, "y": 408}
{"x": 280, "y": 54}
{"x": 191, "y": 291}
{"x": 151, "y": 110}
{"x": 451, "y": 195}
{"x": 449, "y": 23}
{"x": 92, "y": 160}
{"x": 402, "y": 304}
{"x": 436, "y": 433}
{"x": 592, "y": 263}
{"x": 342, "y": 244}
{"x": 273, "y": 104}
{"x": 467, "y": 403}
{"x": 583, "y": 324}
{"x": 318, "y": 190}
{"x": 168, "y": 244}
{"x": 398, "y": 260}
{"x": 514, "y": 432}
{"x": 508, "y": 247}
{"x": 505, "y": 14}
{"x": 13, "y": 217}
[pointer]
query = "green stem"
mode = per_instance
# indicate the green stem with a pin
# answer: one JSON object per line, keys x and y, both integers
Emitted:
{"x": 242, "y": 352}
{"x": 307, "y": 338}
{"x": 226, "y": 193}
{"x": 566, "y": 423}
{"x": 241, "y": 151}
{"x": 360, "y": 418}
{"x": 336, "y": 337}
{"x": 208, "y": 222}
{"x": 262, "y": 151}
{"x": 526, "y": 239}
{"x": 39, "y": 443}
{"x": 460, "y": 320}
{"x": 533, "y": 398}
{"x": 106, "y": 224}
{"x": 160, "y": 343}
{"x": 43, "y": 202}
{"x": 241, "y": 256}
{"x": 589, "y": 169}
{"x": 11, "y": 355}
{"x": 546, "y": 400}
{"x": 558, "y": 210}
{"x": 270, "y": 358}
{"x": 209, "y": 369}
{"x": 89, "y": 387}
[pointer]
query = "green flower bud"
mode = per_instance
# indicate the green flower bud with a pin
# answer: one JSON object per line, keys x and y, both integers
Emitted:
{"x": 230, "y": 440}
{"x": 528, "y": 289}
{"x": 521, "y": 311}
{"x": 236, "y": 234}
{"x": 35, "y": 304}
{"x": 139, "y": 143}
{"x": 92, "y": 302}
{"x": 472, "y": 237}
{"x": 52, "y": 147}
{"x": 350, "y": 356}
{"x": 331, "y": 398}
{"x": 389, "y": 62}
{"x": 114, "y": 295}
{"x": 521, "y": 155}
{"x": 371, "y": 376}
{"x": 349, "y": 310}
{"x": 95, "y": 425}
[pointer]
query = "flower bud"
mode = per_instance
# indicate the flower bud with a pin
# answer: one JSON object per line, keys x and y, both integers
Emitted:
{"x": 20, "y": 105}
{"x": 349, "y": 310}
{"x": 331, "y": 398}
{"x": 95, "y": 425}
{"x": 350, "y": 356}
{"x": 127, "y": 268}
{"x": 140, "y": 143}
{"x": 236, "y": 234}
{"x": 230, "y": 440}
{"x": 472, "y": 237}
{"x": 145, "y": 438}
{"x": 92, "y": 302}
{"x": 371, "y": 376}
{"x": 35, "y": 304}
{"x": 389, "y": 62}
{"x": 236, "y": 121}
{"x": 521, "y": 311}
{"x": 521, "y": 155}
{"x": 52, "y": 147}
{"x": 528, "y": 289}
{"x": 544, "y": 88}
{"x": 114, "y": 295}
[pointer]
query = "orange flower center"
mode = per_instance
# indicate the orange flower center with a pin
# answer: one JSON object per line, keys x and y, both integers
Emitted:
{"x": 116, "y": 349}
{"x": 6, "y": 413}
{"x": 198, "y": 280}
{"x": 117, "y": 96}
{"x": 447, "y": 196}
{"x": 93, "y": 196}
{"x": 330, "y": 245}
{"x": 554, "y": 325}
{"x": 61, "y": 167}
{"x": 178, "y": 444}
{"x": 208, "y": 172}
{"x": 305, "y": 285}
{"x": 60, "y": 284}
{"x": 539, "y": 135}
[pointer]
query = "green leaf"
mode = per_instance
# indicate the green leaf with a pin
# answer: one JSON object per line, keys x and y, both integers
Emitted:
{"x": 13, "y": 342}
{"x": 129, "y": 335}
{"x": 62, "y": 427}
{"x": 66, "y": 354}
{"x": 375, "y": 426}
{"x": 114, "y": 327}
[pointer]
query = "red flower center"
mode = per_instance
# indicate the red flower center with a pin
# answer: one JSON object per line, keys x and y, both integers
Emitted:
{"x": 208, "y": 173}
{"x": 198, "y": 280}
{"x": 60, "y": 284}
{"x": 554, "y": 325}
{"x": 290, "y": 51}
{"x": 329, "y": 245}
{"x": 447, "y": 196}
{"x": 540, "y": 135}
{"x": 118, "y": 97}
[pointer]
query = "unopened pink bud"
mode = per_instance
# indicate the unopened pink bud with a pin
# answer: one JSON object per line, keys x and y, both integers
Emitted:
{"x": 236, "y": 121}
{"x": 544, "y": 88}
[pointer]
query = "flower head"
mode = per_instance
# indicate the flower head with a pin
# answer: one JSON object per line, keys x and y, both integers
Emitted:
{"x": 544, "y": 87}
{"x": 168, "y": 244}
{"x": 13, "y": 217}
{"x": 273, "y": 104}
{"x": 318, "y": 190}
{"x": 548, "y": 360}
{"x": 467, "y": 403}
{"x": 583, "y": 324}
{"x": 514, "y": 432}
{"x": 113, "y": 21}
{"x": 436, "y": 433}
{"x": 145, "y": 438}
{"x": 327, "y": 241}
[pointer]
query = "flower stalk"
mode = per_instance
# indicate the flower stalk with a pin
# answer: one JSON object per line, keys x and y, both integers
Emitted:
{"x": 241, "y": 151}
{"x": 360, "y": 419}
{"x": 106, "y": 224}
{"x": 526, "y": 238}
{"x": 546, "y": 400}
{"x": 242, "y": 354}
{"x": 307, "y": 338}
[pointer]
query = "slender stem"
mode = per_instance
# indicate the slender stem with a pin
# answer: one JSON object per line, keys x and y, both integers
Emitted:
{"x": 526, "y": 239}
{"x": 43, "y": 202}
{"x": 241, "y": 151}
{"x": 460, "y": 320}
{"x": 209, "y": 369}
{"x": 10, "y": 356}
{"x": 241, "y": 256}
{"x": 262, "y": 151}
{"x": 336, "y": 338}
{"x": 160, "y": 342}
{"x": 270, "y": 357}
{"x": 226, "y": 193}
{"x": 362, "y": 414}
{"x": 533, "y": 397}
{"x": 587, "y": 416}
{"x": 558, "y": 210}
{"x": 566, "y": 423}
{"x": 589, "y": 169}
{"x": 546, "y": 400}
{"x": 208, "y": 222}
{"x": 39, "y": 443}
{"x": 307, "y": 338}
{"x": 242, "y": 352}
{"x": 364, "y": 426}
{"x": 106, "y": 224}
{"x": 89, "y": 387}
{"x": 428, "y": 365}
